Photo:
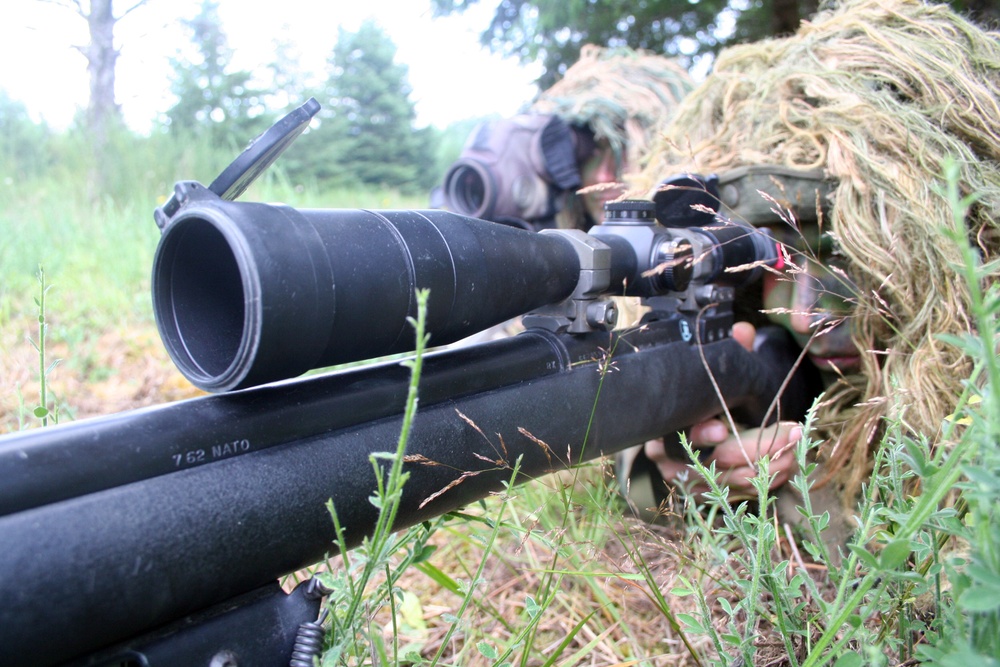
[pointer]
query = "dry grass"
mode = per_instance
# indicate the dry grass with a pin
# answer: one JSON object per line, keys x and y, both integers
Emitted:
{"x": 594, "y": 586}
{"x": 597, "y": 567}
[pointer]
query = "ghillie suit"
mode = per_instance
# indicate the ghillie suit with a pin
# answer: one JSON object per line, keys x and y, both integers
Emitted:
{"x": 880, "y": 94}
{"x": 623, "y": 96}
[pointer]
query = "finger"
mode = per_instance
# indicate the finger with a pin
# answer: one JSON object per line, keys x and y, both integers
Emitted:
{"x": 779, "y": 439}
{"x": 738, "y": 480}
{"x": 750, "y": 445}
{"x": 783, "y": 468}
{"x": 770, "y": 440}
{"x": 708, "y": 433}
{"x": 655, "y": 451}
{"x": 744, "y": 333}
{"x": 780, "y": 468}
{"x": 731, "y": 454}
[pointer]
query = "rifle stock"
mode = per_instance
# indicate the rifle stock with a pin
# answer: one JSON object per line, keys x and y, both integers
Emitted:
{"x": 105, "y": 558}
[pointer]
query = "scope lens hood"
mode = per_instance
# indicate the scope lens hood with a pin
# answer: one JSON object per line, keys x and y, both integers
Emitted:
{"x": 226, "y": 311}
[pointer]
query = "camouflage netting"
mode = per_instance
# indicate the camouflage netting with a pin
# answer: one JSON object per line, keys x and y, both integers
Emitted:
{"x": 880, "y": 94}
{"x": 623, "y": 96}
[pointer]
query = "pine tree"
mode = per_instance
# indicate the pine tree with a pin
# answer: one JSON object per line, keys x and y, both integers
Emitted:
{"x": 214, "y": 101}
{"x": 25, "y": 148}
{"x": 366, "y": 134}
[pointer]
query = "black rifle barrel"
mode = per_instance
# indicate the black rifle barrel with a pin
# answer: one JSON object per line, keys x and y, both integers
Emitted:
{"x": 47, "y": 465}
{"x": 99, "y": 567}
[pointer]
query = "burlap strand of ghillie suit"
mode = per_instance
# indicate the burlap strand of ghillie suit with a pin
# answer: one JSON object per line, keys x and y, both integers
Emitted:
{"x": 879, "y": 94}
{"x": 623, "y": 96}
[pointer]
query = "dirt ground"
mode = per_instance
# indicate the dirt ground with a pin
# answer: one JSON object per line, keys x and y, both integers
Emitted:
{"x": 113, "y": 371}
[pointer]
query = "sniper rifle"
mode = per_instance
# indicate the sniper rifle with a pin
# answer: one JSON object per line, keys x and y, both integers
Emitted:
{"x": 156, "y": 537}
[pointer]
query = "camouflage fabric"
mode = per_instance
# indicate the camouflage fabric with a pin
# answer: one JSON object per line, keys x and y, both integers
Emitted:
{"x": 623, "y": 96}
{"x": 878, "y": 95}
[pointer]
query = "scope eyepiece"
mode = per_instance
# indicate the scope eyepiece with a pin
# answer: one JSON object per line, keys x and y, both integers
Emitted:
{"x": 706, "y": 248}
{"x": 737, "y": 252}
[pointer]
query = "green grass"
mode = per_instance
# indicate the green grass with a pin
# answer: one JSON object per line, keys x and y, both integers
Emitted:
{"x": 98, "y": 249}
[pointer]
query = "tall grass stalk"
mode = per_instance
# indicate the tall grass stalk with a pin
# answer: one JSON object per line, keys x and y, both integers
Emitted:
{"x": 43, "y": 411}
{"x": 351, "y": 635}
{"x": 549, "y": 534}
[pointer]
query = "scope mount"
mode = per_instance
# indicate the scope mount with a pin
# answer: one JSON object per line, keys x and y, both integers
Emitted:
{"x": 584, "y": 310}
{"x": 673, "y": 286}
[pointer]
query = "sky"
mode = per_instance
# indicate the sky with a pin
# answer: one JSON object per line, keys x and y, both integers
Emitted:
{"x": 451, "y": 75}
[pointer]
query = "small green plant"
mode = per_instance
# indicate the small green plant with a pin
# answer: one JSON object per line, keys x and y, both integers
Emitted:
{"x": 368, "y": 580}
{"x": 968, "y": 623}
{"x": 45, "y": 410}
{"x": 351, "y": 602}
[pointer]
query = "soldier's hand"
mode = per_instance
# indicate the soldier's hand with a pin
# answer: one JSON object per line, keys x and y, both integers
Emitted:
{"x": 735, "y": 455}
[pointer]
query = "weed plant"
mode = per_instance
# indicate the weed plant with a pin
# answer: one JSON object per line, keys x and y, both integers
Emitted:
{"x": 47, "y": 408}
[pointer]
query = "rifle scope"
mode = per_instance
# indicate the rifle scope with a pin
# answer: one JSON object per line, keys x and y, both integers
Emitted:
{"x": 250, "y": 293}
{"x": 247, "y": 293}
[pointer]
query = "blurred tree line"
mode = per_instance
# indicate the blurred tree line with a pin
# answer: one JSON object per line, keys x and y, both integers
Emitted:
{"x": 552, "y": 31}
{"x": 364, "y": 137}
{"x": 24, "y": 144}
